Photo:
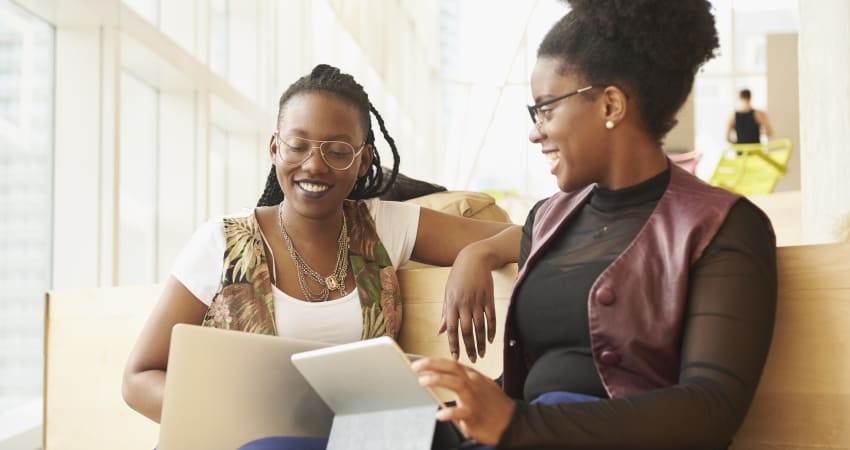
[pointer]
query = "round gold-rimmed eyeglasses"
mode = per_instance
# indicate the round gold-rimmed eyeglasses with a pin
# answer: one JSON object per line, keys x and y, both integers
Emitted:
{"x": 338, "y": 155}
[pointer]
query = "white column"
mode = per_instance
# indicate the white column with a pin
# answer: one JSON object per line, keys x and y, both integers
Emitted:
{"x": 109, "y": 151}
{"x": 176, "y": 178}
{"x": 86, "y": 140}
{"x": 824, "y": 63}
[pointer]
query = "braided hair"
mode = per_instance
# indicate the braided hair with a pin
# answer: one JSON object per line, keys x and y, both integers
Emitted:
{"x": 653, "y": 48}
{"x": 330, "y": 79}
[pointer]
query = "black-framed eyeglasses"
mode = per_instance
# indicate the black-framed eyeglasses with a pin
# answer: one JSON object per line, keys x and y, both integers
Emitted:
{"x": 536, "y": 113}
{"x": 338, "y": 155}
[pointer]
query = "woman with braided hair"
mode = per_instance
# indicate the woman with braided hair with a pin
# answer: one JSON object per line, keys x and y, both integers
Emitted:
{"x": 316, "y": 259}
{"x": 643, "y": 309}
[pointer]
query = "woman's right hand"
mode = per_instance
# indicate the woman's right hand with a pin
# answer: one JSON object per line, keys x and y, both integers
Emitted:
{"x": 469, "y": 304}
{"x": 482, "y": 412}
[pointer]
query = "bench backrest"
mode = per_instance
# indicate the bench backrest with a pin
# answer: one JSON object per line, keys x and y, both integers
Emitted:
{"x": 88, "y": 337}
{"x": 803, "y": 400}
{"x": 89, "y": 334}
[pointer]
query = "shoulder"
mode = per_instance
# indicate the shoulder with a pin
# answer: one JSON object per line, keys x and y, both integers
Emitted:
{"x": 248, "y": 214}
{"x": 747, "y": 218}
{"x": 390, "y": 210}
{"x": 211, "y": 231}
{"x": 745, "y": 232}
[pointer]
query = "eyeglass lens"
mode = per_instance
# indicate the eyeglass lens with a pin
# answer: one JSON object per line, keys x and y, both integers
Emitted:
{"x": 336, "y": 154}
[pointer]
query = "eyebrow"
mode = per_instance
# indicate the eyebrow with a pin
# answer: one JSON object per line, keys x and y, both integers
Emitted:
{"x": 543, "y": 98}
{"x": 336, "y": 137}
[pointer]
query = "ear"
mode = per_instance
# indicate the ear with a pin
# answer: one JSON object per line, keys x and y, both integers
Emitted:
{"x": 273, "y": 147}
{"x": 365, "y": 160}
{"x": 615, "y": 103}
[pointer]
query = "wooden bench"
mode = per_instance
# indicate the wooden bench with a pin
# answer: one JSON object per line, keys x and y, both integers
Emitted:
{"x": 803, "y": 398}
{"x": 803, "y": 401}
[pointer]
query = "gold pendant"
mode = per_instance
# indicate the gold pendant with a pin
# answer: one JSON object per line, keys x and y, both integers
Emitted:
{"x": 330, "y": 282}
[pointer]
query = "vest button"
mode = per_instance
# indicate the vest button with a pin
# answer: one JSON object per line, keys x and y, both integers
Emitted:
{"x": 512, "y": 343}
{"x": 605, "y": 296}
{"x": 609, "y": 357}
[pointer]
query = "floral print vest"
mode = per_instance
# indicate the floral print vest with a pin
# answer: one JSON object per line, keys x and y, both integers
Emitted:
{"x": 244, "y": 299}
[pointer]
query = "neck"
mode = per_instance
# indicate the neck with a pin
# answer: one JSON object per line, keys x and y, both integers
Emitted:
{"x": 635, "y": 158}
{"x": 312, "y": 229}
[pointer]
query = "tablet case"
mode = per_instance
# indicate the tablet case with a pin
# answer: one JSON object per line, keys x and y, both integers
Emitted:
{"x": 376, "y": 398}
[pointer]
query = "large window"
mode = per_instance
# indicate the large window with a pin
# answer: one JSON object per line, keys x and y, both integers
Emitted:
{"x": 137, "y": 182}
{"x": 742, "y": 26}
{"x": 26, "y": 153}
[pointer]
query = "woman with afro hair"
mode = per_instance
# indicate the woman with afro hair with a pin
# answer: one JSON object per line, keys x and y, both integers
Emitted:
{"x": 643, "y": 310}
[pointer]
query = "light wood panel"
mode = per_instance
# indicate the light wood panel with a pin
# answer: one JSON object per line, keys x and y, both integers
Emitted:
{"x": 423, "y": 291}
{"x": 785, "y": 213}
{"x": 88, "y": 336}
{"x": 803, "y": 399}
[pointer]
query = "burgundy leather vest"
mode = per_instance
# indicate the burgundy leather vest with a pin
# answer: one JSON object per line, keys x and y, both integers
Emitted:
{"x": 636, "y": 306}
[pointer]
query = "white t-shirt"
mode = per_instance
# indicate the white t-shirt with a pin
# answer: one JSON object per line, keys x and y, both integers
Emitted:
{"x": 199, "y": 268}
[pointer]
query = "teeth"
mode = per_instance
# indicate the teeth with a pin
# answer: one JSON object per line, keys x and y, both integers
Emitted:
{"x": 313, "y": 187}
{"x": 553, "y": 158}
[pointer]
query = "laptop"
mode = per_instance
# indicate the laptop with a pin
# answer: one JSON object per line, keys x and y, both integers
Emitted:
{"x": 224, "y": 389}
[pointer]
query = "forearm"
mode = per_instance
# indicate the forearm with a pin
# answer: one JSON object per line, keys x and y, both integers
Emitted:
{"x": 498, "y": 250}
{"x": 694, "y": 415}
{"x": 143, "y": 392}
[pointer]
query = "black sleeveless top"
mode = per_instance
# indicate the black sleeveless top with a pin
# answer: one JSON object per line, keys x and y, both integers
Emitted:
{"x": 746, "y": 127}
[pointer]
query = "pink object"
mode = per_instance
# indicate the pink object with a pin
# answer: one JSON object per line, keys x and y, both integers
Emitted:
{"x": 687, "y": 160}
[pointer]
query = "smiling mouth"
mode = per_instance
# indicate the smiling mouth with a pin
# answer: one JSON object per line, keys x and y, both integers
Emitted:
{"x": 316, "y": 188}
{"x": 552, "y": 157}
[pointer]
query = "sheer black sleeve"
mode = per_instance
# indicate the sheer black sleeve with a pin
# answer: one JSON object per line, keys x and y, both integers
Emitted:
{"x": 728, "y": 328}
{"x": 525, "y": 242}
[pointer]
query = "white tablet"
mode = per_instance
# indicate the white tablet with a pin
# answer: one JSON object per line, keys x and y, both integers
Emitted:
{"x": 364, "y": 376}
{"x": 376, "y": 397}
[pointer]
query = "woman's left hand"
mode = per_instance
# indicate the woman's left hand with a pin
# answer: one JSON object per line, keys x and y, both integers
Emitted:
{"x": 482, "y": 412}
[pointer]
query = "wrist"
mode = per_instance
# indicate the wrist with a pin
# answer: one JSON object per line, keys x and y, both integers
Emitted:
{"x": 478, "y": 253}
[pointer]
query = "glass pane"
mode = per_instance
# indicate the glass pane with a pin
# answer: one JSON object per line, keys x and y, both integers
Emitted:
{"x": 219, "y": 37}
{"x": 218, "y": 172}
{"x": 137, "y": 182}
{"x": 722, "y": 61}
{"x": 26, "y": 154}
{"x": 754, "y": 20}
{"x": 714, "y": 103}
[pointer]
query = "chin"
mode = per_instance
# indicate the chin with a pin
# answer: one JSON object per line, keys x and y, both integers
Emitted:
{"x": 566, "y": 184}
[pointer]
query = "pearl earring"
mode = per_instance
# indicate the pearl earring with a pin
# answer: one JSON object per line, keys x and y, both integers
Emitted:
{"x": 609, "y": 124}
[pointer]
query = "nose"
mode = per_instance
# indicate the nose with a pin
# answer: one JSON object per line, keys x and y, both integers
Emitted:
{"x": 536, "y": 135}
{"x": 315, "y": 163}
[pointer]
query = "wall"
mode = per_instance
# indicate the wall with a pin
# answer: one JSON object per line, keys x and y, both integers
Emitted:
{"x": 824, "y": 65}
{"x": 681, "y": 137}
{"x": 783, "y": 101}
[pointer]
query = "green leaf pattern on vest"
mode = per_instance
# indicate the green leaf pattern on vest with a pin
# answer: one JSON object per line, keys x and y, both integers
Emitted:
{"x": 245, "y": 302}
